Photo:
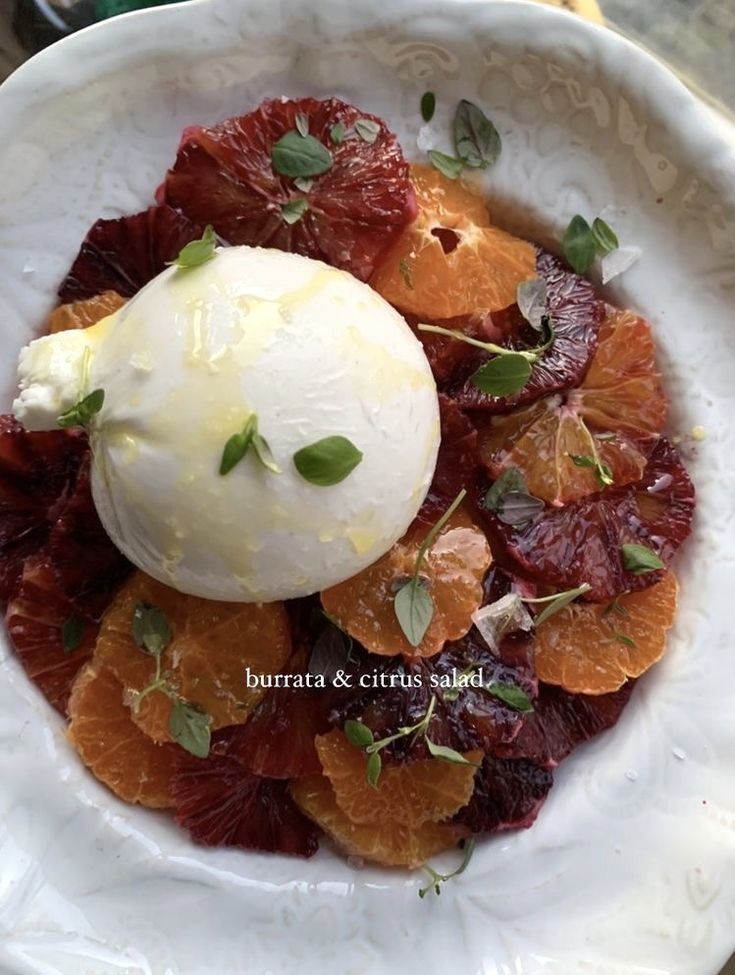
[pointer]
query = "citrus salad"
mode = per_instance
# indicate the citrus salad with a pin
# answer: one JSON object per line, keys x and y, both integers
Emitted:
{"x": 329, "y": 509}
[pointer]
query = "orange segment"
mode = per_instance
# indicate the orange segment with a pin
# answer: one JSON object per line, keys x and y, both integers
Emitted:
{"x": 593, "y": 648}
{"x": 541, "y": 440}
{"x": 212, "y": 645}
{"x": 82, "y": 314}
{"x": 389, "y": 843}
{"x": 425, "y": 791}
{"x": 114, "y": 749}
{"x": 620, "y": 399}
{"x": 623, "y": 388}
{"x": 449, "y": 261}
{"x": 453, "y": 570}
{"x": 449, "y": 201}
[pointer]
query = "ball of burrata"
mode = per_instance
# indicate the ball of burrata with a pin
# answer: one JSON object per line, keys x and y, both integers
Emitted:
{"x": 270, "y": 425}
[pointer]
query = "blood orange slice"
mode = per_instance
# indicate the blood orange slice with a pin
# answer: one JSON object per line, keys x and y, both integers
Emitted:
{"x": 456, "y": 464}
{"x": 592, "y": 648}
{"x": 390, "y": 843}
{"x": 113, "y": 748}
{"x": 87, "y": 565}
{"x": 36, "y": 472}
{"x": 278, "y": 738}
{"x": 224, "y": 175}
{"x": 453, "y": 569}
{"x": 84, "y": 313}
{"x": 621, "y": 398}
{"x": 561, "y": 721}
{"x": 623, "y": 390}
{"x": 123, "y": 255}
{"x": 508, "y": 795}
{"x": 450, "y": 261}
{"x": 419, "y": 792}
{"x": 212, "y": 645}
{"x": 582, "y": 542}
{"x": 468, "y": 718}
{"x": 575, "y": 313}
{"x": 556, "y": 451}
{"x": 36, "y": 618}
{"x": 223, "y": 805}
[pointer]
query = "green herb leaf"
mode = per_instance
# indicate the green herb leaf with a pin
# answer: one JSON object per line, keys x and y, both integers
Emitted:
{"x": 511, "y": 480}
{"x": 191, "y": 728}
{"x": 510, "y": 694}
{"x": 337, "y": 133}
{"x": 580, "y": 246}
{"x": 299, "y": 155}
{"x": 603, "y": 472}
{"x": 303, "y": 184}
{"x": 437, "y": 879}
{"x": 151, "y": 631}
{"x": 626, "y": 640}
{"x": 414, "y": 610}
{"x": 582, "y": 460}
{"x": 557, "y": 602}
{"x": 529, "y": 355}
{"x": 445, "y": 754}
{"x": 404, "y": 269}
{"x": 264, "y": 453}
{"x": 358, "y": 734}
{"x": 639, "y": 559}
{"x": 448, "y": 166}
{"x": 294, "y": 210}
{"x": 327, "y": 461}
{"x": 367, "y": 129}
{"x": 532, "y": 301}
{"x": 82, "y": 412}
{"x": 517, "y": 508}
{"x": 72, "y": 632}
{"x": 476, "y": 139}
{"x": 503, "y": 375}
{"x": 615, "y": 607}
{"x": 428, "y": 105}
{"x": 373, "y": 769}
{"x": 435, "y": 529}
{"x": 605, "y": 237}
{"x": 302, "y": 124}
{"x": 237, "y": 446}
{"x": 198, "y": 252}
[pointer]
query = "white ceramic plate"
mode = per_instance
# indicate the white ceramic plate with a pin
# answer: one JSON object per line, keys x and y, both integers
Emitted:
{"x": 631, "y": 865}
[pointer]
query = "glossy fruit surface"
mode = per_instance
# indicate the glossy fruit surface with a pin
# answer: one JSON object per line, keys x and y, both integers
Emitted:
{"x": 424, "y": 791}
{"x": 35, "y": 618}
{"x": 37, "y": 471}
{"x": 85, "y": 312}
{"x": 213, "y": 644}
{"x": 224, "y": 175}
{"x": 450, "y": 261}
{"x": 593, "y": 648}
{"x": 390, "y": 843}
{"x": 124, "y": 254}
{"x": 112, "y": 746}
{"x": 221, "y": 804}
{"x": 575, "y": 313}
{"x": 508, "y": 794}
{"x": 582, "y": 542}
{"x": 453, "y": 571}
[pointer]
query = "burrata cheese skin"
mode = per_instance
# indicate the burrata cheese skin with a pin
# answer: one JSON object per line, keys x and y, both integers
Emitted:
{"x": 313, "y": 353}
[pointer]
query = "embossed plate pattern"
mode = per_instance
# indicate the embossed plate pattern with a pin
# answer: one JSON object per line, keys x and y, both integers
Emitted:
{"x": 631, "y": 866}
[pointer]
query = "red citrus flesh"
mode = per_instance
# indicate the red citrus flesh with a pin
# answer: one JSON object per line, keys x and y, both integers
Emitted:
{"x": 224, "y": 175}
